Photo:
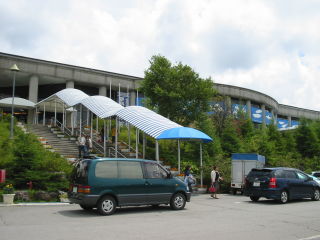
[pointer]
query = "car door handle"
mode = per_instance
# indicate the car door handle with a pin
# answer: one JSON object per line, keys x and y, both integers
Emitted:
{"x": 147, "y": 183}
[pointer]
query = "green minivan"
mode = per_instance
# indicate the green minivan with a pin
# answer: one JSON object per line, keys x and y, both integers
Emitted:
{"x": 105, "y": 183}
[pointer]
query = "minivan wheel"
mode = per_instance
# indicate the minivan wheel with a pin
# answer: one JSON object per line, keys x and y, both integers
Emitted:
{"x": 316, "y": 195}
{"x": 106, "y": 205}
{"x": 284, "y": 197}
{"x": 254, "y": 199}
{"x": 178, "y": 201}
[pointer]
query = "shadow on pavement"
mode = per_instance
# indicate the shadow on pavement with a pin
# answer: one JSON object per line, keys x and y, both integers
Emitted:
{"x": 120, "y": 211}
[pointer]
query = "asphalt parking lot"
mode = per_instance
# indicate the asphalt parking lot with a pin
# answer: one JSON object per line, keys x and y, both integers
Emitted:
{"x": 230, "y": 217}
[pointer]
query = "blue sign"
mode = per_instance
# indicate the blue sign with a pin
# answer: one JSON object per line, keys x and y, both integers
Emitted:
{"x": 283, "y": 123}
{"x": 269, "y": 117}
{"x": 294, "y": 123}
{"x": 139, "y": 102}
{"x": 256, "y": 115}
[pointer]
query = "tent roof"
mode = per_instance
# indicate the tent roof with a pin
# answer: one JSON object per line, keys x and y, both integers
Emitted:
{"x": 101, "y": 106}
{"x": 18, "y": 102}
{"x": 146, "y": 120}
{"x": 184, "y": 133}
{"x": 68, "y": 96}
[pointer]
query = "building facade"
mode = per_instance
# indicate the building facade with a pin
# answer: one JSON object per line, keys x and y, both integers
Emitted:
{"x": 39, "y": 79}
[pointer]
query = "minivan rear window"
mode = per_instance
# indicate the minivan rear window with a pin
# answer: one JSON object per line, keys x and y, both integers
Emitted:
{"x": 260, "y": 173}
{"x": 80, "y": 172}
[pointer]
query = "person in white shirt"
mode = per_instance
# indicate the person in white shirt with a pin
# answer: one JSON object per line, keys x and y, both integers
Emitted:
{"x": 82, "y": 146}
{"x": 215, "y": 178}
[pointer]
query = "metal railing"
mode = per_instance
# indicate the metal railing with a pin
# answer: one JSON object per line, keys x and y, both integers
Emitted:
{"x": 63, "y": 128}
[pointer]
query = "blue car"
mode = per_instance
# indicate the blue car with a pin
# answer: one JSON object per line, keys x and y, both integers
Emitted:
{"x": 281, "y": 184}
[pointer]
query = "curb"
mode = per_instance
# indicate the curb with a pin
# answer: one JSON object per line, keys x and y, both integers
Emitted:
{"x": 34, "y": 204}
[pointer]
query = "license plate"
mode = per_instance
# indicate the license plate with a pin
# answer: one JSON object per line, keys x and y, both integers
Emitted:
{"x": 74, "y": 189}
{"x": 256, "y": 184}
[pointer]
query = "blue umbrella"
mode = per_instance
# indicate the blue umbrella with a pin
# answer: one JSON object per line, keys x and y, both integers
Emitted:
{"x": 186, "y": 133}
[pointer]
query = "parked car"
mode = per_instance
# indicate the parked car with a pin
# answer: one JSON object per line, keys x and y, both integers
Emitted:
{"x": 315, "y": 179}
{"x": 316, "y": 174}
{"x": 106, "y": 183}
{"x": 282, "y": 184}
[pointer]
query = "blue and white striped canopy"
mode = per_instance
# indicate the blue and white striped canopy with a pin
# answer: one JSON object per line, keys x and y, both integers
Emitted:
{"x": 69, "y": 97}
{"x": 146, "y": 120}
{"x": 101, "y": 106}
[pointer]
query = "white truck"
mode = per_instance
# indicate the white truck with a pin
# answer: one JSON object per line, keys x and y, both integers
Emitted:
{"x": 242, "y": 163}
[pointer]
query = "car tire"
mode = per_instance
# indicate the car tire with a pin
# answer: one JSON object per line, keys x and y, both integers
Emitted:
{"x": 178, "y": 201}
{"x": 85, "y": 207}
{"x": 316, "y": 195}
{"x": 254, "y": 199}
{"x": 106, "y": 205}
{"x": 284, "y": 197}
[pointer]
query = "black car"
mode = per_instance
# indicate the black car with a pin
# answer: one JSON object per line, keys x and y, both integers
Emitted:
{"x": 282, "y": 184}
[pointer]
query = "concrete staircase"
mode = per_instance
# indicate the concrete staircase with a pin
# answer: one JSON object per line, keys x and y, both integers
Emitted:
{"x": 61, "y": 145}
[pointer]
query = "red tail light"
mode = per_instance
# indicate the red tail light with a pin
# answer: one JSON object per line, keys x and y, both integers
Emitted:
{"x": 273, "y": 183}
{"x": 84, "y": 189}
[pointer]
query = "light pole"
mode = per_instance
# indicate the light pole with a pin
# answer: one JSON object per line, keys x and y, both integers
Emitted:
{"x": 14, "y": 69}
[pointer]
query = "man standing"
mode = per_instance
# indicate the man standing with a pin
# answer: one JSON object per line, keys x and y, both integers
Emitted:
{"x": 82, "y": 146}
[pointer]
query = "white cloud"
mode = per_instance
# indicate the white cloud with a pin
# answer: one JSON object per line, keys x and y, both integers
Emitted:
{"x": 269, "y": 46}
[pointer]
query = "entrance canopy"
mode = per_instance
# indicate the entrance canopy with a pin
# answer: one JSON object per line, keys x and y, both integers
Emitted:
{"x": 18, "y": 102}
{"x": 68, "y": 97}
{"x": 146, "y": 120}
{"x": 101, "y": 106}
{"x": 184, "y": 133}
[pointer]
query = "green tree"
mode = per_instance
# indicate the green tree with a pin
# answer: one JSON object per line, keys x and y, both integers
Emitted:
{"x": 307, "y": 141}
{"x": 176, "y": 91}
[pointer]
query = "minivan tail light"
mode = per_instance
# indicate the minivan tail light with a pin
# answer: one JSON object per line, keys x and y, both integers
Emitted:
{"x": 84, "y": 189}
{"x": 273, "y": 183}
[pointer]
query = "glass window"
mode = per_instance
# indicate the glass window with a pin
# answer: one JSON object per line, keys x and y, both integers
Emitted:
{"x": 155, "y": 171}
{"x": 107, "y": 169}
{"x": 290, "y": 174}
{"x": 280, "y": 174}
{"x": 130, "y": 169}
{"x": 302, "y": 176}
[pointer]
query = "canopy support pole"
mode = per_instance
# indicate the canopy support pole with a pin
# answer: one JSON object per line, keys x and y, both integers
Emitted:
{"x": 129, "y": 136}
{"x": 80, "y": 125}
{"x": 104, "y": 138}
{"x": 97, "y": 124}
{"x": 63, "y": 119}
{"x": 72, "y": 122}
{"x": 179, "y": 164}
{"x": 44, "y": 114}
{"x": 91, "y": 125}
{"x": 55, "y": 112}
{"x": 88, "y": 117}
{"x": 137, "y": 143}
{"x": 107, "y": 133}
{"x": 201, "y": 170}
{"x": 157, "y": 151}
{"x": 144, "y": 146}
{"x": 116, "y": 138}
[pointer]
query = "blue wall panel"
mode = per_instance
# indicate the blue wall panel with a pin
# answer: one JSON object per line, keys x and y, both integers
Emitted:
{"x": 256, "y": 115}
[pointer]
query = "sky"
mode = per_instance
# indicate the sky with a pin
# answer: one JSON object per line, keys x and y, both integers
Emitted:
{"x": 271, "y": 46}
